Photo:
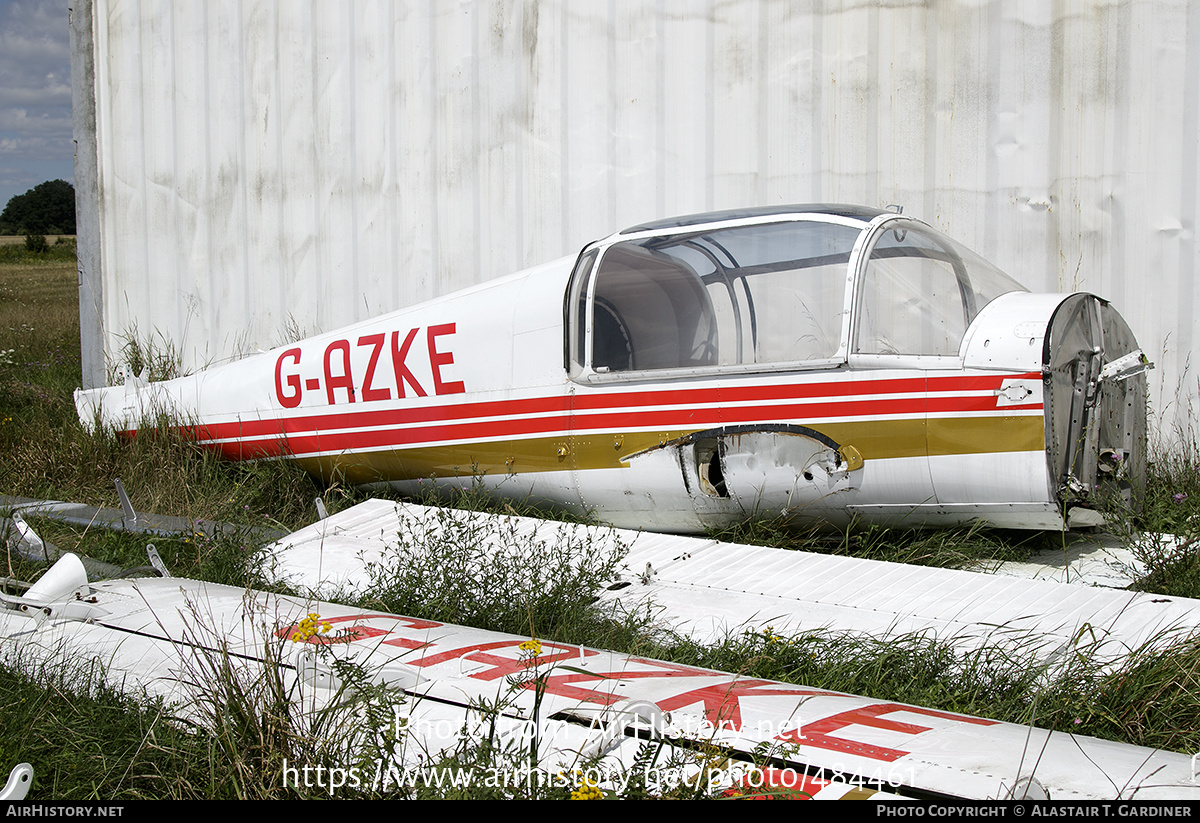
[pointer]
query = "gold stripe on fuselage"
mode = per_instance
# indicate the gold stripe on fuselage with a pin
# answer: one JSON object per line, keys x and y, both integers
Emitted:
{"x": 874, "y": 440}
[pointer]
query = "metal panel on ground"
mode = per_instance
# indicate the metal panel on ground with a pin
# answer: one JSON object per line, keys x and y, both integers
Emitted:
{"x": 548, "y": 708}
{"x": 707, "y": 589}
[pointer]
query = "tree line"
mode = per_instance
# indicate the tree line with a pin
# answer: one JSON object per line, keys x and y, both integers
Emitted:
{"x": 47, "y": 208}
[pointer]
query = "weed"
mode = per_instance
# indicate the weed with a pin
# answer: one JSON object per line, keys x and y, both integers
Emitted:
{"x": 452, "y": 567}
{"x": 1164, "y": 532}
{"x": 146, "y": 358}
{"x": 264, "y": 720}
{"x": 291, "y": 331}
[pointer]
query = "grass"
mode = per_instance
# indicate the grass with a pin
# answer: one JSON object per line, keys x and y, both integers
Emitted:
{"x": 225, "y": 558}
{"x": 87, "y": 740}
{"x": 1171, "y": 507}
{"x": 47, "y": 454}
{"x": 59, "y": 248}
{"x": 960, "y": 547}
{"x": 459, "y": 570}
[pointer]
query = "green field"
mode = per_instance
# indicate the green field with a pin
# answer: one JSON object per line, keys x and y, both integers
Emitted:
{"x": 86, "y": 741}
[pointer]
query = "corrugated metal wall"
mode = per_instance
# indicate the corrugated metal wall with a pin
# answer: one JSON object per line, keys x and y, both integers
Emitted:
{"x": 264, "y": 164}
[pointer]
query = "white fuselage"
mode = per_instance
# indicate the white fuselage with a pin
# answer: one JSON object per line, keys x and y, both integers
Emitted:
{"x": 671, "y": 410}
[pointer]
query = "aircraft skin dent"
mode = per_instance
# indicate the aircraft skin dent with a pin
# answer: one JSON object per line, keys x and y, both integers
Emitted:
{"x": 822, "y": 364}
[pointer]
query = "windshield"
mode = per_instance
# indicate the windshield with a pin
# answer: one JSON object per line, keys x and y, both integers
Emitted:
{"x": 920, "y": 292}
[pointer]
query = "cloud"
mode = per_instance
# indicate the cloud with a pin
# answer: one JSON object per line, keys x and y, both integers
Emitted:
{"x": 12, "y": 176}
{"x": 45, "y": 123}
{"x": 35, "y": 47}
{"x": 34, "y": 147}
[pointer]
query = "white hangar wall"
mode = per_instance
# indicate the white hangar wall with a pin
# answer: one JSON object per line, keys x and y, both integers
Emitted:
{"x": 250, "y": 167}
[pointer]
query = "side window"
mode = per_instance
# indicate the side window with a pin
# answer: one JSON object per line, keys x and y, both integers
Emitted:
{"x": 650, "y": 311}
{"x": 799, "y": 314}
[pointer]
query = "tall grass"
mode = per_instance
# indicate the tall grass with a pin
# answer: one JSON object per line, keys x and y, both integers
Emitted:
{"x": 456, "y": 569}
{"x": 1164, "y": 532}
{"x": 48, "y": 454}
{"x": 954, "y": 547}
{"x": 88, "y": 740}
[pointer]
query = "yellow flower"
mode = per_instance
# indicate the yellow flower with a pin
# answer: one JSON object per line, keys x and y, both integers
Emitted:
{"x": 533, "y": 646}
{"x": 309, "y": 626}
{"x": 586, "y": 790}
{"x": 770, "y": 636}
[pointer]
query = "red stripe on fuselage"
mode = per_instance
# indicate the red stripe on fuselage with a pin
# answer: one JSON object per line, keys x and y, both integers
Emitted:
{"x": 345, "y": 417}
{"x": 298, "y": 437}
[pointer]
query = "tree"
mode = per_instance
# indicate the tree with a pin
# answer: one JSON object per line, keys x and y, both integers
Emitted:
{"x": 47, "y": 208}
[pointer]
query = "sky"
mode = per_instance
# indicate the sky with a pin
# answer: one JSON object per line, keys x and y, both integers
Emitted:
{"x": 35, "y": 96}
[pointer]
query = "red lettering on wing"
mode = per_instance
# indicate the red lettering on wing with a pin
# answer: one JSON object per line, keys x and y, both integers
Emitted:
{"x": 368, "y": 393}
{"x": 722, "y": 701}
{"x": 501, "y": 666}
{"x": 560, "y": 685}
{"x": 403, "y": 375}
{"x": 819, "y": 734}
{"x": 438, "y": 359}
{"x": 351, "y": 634}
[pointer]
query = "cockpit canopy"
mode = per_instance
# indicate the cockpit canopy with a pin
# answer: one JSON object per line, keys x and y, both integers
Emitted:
{"x": 808, "y": 287}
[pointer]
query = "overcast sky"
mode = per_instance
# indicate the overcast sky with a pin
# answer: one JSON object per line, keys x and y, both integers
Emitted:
{"x": 35, "y": 96}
